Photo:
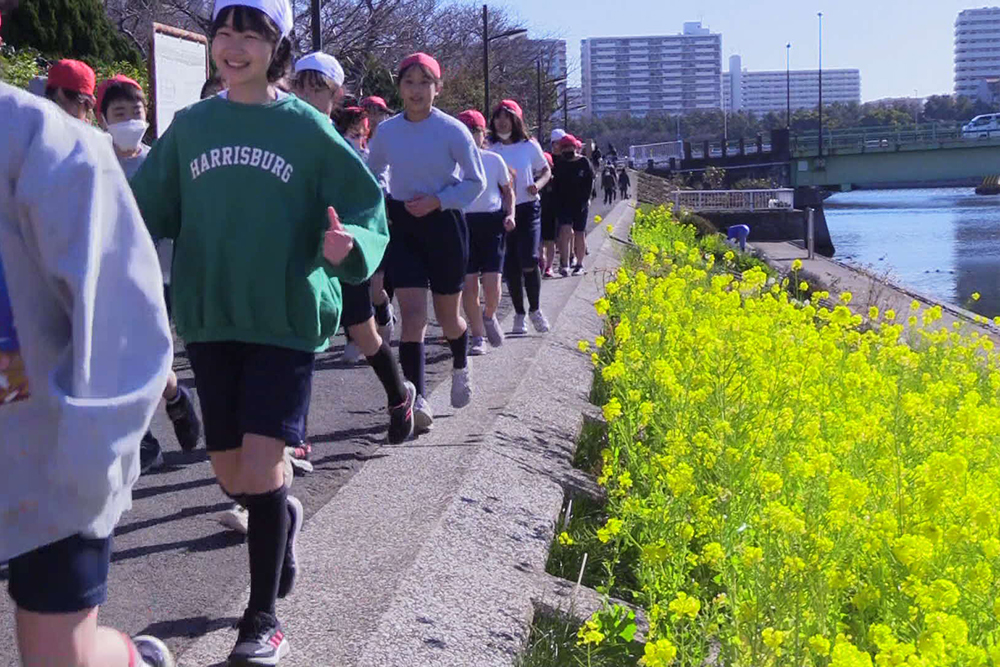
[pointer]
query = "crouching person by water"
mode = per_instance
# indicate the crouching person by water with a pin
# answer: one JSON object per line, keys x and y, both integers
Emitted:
{"x": 269, "y": 209}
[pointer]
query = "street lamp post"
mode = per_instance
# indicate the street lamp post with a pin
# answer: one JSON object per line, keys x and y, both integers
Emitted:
{"x": 538, "y": 96}
{"x": 316, "y": 34}
{"x": 788, "y": 86}
{"x": 820, "y": 14}
{"x": 487, "y": 38}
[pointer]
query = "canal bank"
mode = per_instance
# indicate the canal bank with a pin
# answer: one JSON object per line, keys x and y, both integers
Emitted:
{"x": 867, "y": 288}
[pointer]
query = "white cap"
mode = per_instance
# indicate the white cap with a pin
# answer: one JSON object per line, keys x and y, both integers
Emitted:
{"x": 557, "y": 134}
{"x": 324, "y": 63}
{"x": 279, "y": 11}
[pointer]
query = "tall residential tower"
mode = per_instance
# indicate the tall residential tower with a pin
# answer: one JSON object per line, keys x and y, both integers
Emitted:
{"x": 977, "y": 50}
{"x": 637, "y": 75}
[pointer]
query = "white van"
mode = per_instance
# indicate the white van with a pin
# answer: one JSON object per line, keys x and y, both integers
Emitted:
{"x": 982, "y": 126}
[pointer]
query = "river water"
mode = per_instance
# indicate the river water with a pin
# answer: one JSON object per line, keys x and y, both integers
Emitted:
{"x": 944, "y": 242}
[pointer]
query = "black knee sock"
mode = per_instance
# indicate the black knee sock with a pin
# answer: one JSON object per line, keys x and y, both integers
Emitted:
{"x": 460, "y": 349}
{"x": 267, "y": 537}
{"x": 411, "y": 359}
{"x": 382, "y": 313}
{"x": 388, "y": 374}
{"x": 533, "y": 287}
{"x": 515, "y": 285}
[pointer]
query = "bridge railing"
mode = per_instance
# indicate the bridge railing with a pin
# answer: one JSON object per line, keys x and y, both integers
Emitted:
{"x": 658, "y": 153}
{"x": 733, "y": 200}
{"x": 878, "y": 139}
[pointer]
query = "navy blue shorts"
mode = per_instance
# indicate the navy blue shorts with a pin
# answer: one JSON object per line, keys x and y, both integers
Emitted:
{"x": 576, "y": 217}
{"x": 64, "y": 577}
{"x": 249, "y": 388}
{"x": 523, "y": 242}
{"x": 487, "y": 242}
{"x": 550, "y": 226}
{"x": 357, "y": 306}
{"x": 432, "y": 251}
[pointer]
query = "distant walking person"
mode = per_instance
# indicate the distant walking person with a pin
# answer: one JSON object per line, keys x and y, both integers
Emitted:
{"x": 85, "y": 350}
{"x": 623, "y": 183}
{"x": 609, "y": 184}
{"x": 574, "y": 178}
{"x": 596, "y": 157}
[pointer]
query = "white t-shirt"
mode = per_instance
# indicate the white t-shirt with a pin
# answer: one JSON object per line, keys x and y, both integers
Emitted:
{"x": 497, "y": 176}
{"x": 525, "y": 158}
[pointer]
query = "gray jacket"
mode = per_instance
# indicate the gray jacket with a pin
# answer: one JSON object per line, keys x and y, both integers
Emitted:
{"x": 92, "y": 338}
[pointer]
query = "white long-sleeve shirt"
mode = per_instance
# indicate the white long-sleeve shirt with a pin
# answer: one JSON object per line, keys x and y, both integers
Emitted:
{"x": 433, "y": 157}
{"x": 84, "y": 289}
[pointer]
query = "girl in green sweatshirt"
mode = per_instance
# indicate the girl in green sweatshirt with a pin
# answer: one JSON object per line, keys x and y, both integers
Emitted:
{"x": 270, "y": 209}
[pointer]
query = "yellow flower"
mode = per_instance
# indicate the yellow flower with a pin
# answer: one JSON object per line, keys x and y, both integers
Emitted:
{"x": 612, "y": 528}
{"x": 846, "y": 297}
{"x": 975, "y": 296}
{"x": 610, "y": 228}
{"x": 601, "y": 306}
{"x": 590, "y": 633}
{"x": 914, "y": 305}
{"x": 599, "y": 341}
{"x": 612, "y": 409}
{"x": 684, "y": 605}
{"x": 565, "y": 539}
{"x": 797, "y": 265}
{"x": 583, "y": 346}
{"x": 660, "y": 653}
{"x": 773, "y": 639}
{"x": 890, "y": 315}
{"x": 803, "y": 286}
{"x": 819, "y": 645}
{"x": 873, "y": 313}
{"x": 598, "y": 219}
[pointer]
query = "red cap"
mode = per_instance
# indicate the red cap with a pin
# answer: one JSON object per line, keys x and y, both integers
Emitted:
{"x": 568, "y": 140}
{"x": 117, "y": 78}
{"x": 375, "y": 101}
{"x": 421, "y": 59}
{"x": 73, "y": 75}
{"x": 549, "y": 159}
{"x": 511, "y": 106}
{"x": 472, "y": 119}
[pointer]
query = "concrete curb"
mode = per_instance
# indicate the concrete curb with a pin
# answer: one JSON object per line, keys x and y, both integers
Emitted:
{"x": 429, "y": 555}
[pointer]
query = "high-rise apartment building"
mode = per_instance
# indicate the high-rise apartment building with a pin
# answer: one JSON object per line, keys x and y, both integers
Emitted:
{"x": 762, "y": 92}
{"x": 977, "y": 49}
{"x": 637, "y": 75}
{"x": 553, "y": 55}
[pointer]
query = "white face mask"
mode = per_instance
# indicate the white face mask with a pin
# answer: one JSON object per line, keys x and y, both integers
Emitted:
{"x": 504, "y": 136}
{"x": 128, "y": 134}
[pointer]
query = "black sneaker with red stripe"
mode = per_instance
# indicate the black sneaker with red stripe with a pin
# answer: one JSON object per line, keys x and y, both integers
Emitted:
{"x": 261, "y": 642}
{"x": 401, "y": 417}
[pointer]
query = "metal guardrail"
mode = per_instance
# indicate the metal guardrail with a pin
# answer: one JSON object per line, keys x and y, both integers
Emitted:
{"x": 733, "y": 200}
{"x": 658, "y": 153}
{"x": 888, "y": 139}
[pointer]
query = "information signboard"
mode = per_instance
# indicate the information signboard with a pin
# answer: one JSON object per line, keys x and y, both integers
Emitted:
{"x": 178, "y": 69}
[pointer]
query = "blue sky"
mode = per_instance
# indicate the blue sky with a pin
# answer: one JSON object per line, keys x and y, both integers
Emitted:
{"x": 899, "y": 45}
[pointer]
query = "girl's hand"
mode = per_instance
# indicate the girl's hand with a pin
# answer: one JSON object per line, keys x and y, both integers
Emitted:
{"x": 422, "y": 205}
{"x": 338, "y": 242}
{"x": 533, "y": 189}
{"x": 509, "y": 224}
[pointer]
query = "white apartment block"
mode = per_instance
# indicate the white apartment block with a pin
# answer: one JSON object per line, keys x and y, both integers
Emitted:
{"x": 977, "y": 49}
{"x": 638, "y": 75}
{"x": 553, "y": 54}
{"x": 763, "y": 92}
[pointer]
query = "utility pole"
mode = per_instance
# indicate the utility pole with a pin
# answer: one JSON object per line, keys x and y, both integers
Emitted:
{"x": 566, "y": 106}
{"x": 317, "y": 34}
{"x": 820, "y": 14}
{"x": 538, "y": 95}
{"x": 486, "y": 61}
{"x": 788, "y": 86}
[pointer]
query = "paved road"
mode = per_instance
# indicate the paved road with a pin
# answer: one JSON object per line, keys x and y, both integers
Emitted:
{"x": 174, "y": 566}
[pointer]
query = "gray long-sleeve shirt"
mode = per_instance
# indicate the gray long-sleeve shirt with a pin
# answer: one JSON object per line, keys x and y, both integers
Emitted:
{"x": 435, "y": 156}
{"x": 93, "y": 340}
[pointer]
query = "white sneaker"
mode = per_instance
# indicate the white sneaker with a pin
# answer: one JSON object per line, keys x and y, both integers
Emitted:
{"x": 352, "y": 353}
{"x": 386, "y": 331}
{"x": 519, "y": 326}
{"x": 461, "y": 387}
{"x": 477, "y": 346}
{"x": 539, "y": 321}
{"x": 423, "y": 416}
{"x": 235, "y": 518}
{"x": 494, "y": 333}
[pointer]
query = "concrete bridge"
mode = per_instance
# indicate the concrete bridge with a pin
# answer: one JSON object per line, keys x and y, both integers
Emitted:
{"x": 859, "y": 157}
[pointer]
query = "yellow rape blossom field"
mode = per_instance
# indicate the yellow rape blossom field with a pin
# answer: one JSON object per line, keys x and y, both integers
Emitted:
{"x": 789, "y": 484}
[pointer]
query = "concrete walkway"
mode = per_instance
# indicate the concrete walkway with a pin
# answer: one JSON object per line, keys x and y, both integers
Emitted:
{"x": 867, "y": 289}
{"x": 430, "y": 555}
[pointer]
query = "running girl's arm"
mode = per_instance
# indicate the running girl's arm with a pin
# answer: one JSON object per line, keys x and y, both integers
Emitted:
{"x": 157, "y": 187}
{"x": 86, "y": 239}
{"x": 348, "y": 186}
{"x": 473, "y": 175}
{"x": 540, "y": 166}
{"x": 506, "y": 185}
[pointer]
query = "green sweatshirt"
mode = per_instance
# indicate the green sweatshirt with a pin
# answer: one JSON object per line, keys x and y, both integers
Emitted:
{"x": 243, "y": 191}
